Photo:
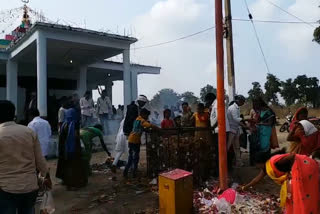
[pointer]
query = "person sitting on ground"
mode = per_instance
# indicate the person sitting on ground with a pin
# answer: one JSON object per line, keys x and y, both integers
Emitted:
{"x": 167, "y": 123}
{"x": 305, "y": 138}
{"x": 20, "y": 158}
{"x": 86, "y": 136}
{"x": 298, "y": 176}
{"x": 134, "y": 141}
{"x": 42, "y": 128}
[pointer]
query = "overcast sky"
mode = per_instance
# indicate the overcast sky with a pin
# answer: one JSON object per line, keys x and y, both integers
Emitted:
{"x": 190, "y": 64}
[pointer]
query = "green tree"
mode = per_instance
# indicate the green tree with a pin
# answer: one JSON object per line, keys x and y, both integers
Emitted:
{"x": 272, "y": 87}
{"x": 256, "y": 91}
{"x": 189, "y": 97}
{"x": 289, "y": 92}
{"x": 205, "y": 90}
{"x": 164, "y": 97}
{"x": 316, "y": 35}
{"x": 307, "y": 88}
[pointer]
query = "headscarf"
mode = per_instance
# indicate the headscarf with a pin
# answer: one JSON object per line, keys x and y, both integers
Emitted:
{"x": 142, "y": 98}
{"x": 308, "y": 127}
{"x": 280, "y": 178}
{"x": 295, "y": 117}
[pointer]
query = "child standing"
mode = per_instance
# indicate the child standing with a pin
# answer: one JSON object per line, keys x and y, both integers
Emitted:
{"x": 201, "y": 119}
{"x": 167, "y": 122}
{"x": 134, "y": 141}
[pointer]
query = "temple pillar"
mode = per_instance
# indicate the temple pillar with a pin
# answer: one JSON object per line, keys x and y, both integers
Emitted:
{"x": 12, "y": 82}
{"x": 82, "y": 82}
{"x": 134, "y": 85}
{"x": 126, "y": 78}
{"x": 108, "y": 88}
{"x": 42, "y": 74}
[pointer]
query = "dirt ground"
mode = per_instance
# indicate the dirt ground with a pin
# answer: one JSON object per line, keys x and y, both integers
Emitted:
{"x": 110, "y": 193}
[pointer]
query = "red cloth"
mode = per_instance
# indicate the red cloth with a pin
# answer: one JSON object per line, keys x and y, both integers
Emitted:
{"x": 305, "y": 190}
{"x": 310, "y": 143}
{"x": 294, "y": 119}
{"x": 167, "y": 123}
{"x": 305, "y": 187}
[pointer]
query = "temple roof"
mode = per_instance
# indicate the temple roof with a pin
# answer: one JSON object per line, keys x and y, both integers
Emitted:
{"x": 50, "y": 26}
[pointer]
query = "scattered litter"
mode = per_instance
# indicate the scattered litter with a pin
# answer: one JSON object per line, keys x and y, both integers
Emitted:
{"x": 208, "y": 201}
{"x": 140, "y": 192}
{"x": 154, "y": 182}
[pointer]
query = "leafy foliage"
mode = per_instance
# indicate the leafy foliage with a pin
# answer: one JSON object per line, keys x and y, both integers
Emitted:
{"x": 205, "y": 90}
{"x": 316, "y": 35}
{"x": 289, "y": 92}
{"x": 272, "y": 87}
{"x": 256, "y": 91}
{"x": 164, "y": 97}
{"x": 307, "y": 88}
{"x": 189, "y": 97}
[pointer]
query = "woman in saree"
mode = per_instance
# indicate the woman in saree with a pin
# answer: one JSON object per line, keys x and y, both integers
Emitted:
{"x": 71, "y": 168}
{"x": 301, "y": 114}
{"x": 297, "y": 130}
{"x": 305, "y": 138}
{"x": 298, "y": 176}
{"x": 265, "y": 122}
{"x": 87, "y": 135}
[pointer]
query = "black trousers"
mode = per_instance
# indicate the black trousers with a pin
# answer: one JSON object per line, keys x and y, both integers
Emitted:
{"x": 23, "y": 203}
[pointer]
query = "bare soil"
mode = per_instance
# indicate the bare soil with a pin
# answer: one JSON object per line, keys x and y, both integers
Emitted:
{"x": 110, "y": 193}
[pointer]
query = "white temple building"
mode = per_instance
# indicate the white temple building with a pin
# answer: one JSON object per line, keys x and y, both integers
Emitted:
{"x": 57, "y": 60}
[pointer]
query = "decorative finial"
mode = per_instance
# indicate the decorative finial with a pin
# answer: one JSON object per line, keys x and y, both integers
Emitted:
{"x": 25, "y": 1}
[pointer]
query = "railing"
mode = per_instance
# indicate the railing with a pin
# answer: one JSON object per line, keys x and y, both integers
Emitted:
{"x": 191, "y": 149}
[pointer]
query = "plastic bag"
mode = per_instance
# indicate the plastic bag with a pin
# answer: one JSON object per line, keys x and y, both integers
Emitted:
{"x": 47, "y": 205}
{"x": 121, "y": 140}
{"x": 223, "y": 206}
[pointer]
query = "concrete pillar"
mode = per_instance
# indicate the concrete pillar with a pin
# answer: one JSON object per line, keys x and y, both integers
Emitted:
{"x": 82, "y": 83}
{"x": 134, "y": 85}
{"x": 42, "y": 74}
{"x": 12, "y": 82}
{"x": 108, "y": 86}
{"x": 126, "y": 78}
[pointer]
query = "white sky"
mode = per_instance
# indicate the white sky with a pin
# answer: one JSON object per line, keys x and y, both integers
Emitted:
{"x": 190, "y": 64}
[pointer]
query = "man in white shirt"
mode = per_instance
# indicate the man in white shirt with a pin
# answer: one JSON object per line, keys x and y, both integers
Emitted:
{"x": 214, "y": 124}
{"x": 42, "y": 128}
{"x": 87, "y": 109}
{"x": 104, "y": 110}
{"x": 235, "y": 121}
{"x": 61, "y": 112}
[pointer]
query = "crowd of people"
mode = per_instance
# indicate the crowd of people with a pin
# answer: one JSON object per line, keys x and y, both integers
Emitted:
{"x": 297, "y": 171}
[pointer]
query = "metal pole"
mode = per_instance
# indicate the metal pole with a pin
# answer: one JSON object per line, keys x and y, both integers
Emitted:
{"x": 223, "y": 173}
{"x": 229, "y": 46}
